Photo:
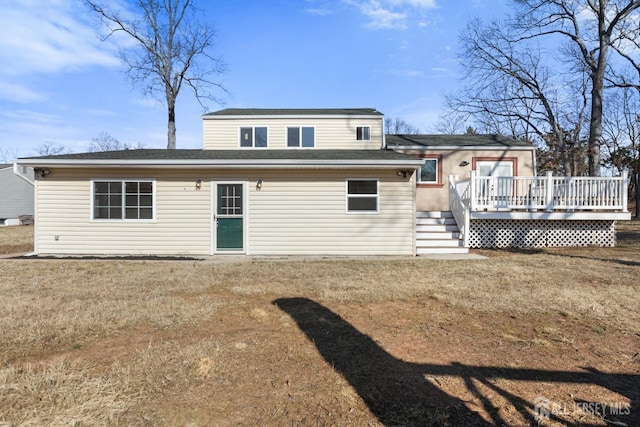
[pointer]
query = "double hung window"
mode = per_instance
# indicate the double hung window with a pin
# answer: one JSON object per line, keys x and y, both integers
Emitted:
{"x": 362, "y": 195}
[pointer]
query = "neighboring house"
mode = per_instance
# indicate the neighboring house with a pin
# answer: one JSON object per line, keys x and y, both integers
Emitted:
{"x": 16, "y": 194}
{"x": 274, "y": 182}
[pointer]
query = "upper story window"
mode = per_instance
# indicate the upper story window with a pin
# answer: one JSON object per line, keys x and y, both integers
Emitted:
{"x": 253, "y": 137}
{"x": 431, "y": 170}
{"x": 123, "y": 200}
{"x": 301, "y": 137}
{"x": 363, "y": 133}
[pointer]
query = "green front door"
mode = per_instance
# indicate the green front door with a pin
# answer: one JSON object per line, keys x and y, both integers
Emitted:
{"x": 229, "y": 217}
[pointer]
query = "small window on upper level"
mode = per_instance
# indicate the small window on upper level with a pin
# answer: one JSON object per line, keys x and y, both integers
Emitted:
{"x": 301, "y": 137}
{"x": 253, "y": 137}
{"x": 363, "y": 133}
{"x": 431, "y": 171}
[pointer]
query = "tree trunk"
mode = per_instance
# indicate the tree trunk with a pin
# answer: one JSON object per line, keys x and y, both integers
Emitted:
{"x": 595, "y": 124}
{"x": 171, "y": 134}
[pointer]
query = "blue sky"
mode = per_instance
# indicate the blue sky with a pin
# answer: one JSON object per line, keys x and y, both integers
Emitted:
{"x": 60, "y": 84}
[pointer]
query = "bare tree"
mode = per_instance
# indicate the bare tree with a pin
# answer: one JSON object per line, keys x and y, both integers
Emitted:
{"x": 106, "y": 142}
{"x": 508, "y": 89}
{"x": 451, "y": 123}
{"x": 172, "y": 49}
{"x": 621, "y": 129}
{"x": 51, "y": 149}
{"x": 592, "y": 30}
{"x": 398, "y": 126}
{"x": 7, "y": 155}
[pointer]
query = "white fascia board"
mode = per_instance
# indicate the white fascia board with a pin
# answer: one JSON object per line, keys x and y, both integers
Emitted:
{"x": 16, "y": 171}
{"x": 222, "y": 164}
{"x": 541, "y": 215}
{"x": 292, "y": 116}
{"x": 458, "y": 148}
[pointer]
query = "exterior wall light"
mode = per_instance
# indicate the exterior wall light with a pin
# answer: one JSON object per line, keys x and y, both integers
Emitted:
{"x": 198, "y": 184}
{"x": 44, "y": 172}
{"x": 403, "y": 173}
{"x": 463, "y": 163}
{"x": 259, "y": 184}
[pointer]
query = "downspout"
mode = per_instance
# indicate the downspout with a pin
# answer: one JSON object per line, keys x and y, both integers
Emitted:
{"x": 384, "y": 140}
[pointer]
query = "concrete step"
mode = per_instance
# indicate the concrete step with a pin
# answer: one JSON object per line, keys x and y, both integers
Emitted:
{"x": 427, "y": 251}
{"x": 451, "y": 243}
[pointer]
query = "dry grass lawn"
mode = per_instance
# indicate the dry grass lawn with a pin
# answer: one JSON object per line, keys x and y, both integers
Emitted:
{"x": 322, "y": 341}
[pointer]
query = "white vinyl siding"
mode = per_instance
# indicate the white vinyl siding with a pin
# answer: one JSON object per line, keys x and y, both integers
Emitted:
{"x": 330, "y": 133}
{"x": 16, "y": 195}
{"x": 294, "y": 212}
{"x": 303, "y": 213}
{"x": 182, "y": 224}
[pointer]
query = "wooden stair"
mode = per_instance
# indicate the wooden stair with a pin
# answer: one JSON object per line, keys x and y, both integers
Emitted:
{"x": 437, "y": 233}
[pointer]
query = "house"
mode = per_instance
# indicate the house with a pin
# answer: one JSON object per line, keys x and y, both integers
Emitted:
{"x": 16, "y": 194}
{"x": 273, "y": 182}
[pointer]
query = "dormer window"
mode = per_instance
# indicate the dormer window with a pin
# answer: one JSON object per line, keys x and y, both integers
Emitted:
{"x": 363, "y": 133}
{"x": 301, "y": 137}
{"x": 253, "y": 137}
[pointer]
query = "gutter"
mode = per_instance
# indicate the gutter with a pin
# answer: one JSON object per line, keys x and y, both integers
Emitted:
{"x": 222, "y": 164}
{"x": 458, "y": 148}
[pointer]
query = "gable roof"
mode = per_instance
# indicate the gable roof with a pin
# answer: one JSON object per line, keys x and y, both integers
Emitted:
{"x": 455, "y": 141}
{"x": 293, "y": 112}
{"x": 162, "y": 158}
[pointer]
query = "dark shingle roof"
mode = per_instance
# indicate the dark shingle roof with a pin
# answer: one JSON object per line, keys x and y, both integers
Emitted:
{"x": 435, "y": 141}
{"x": 296, "y": 112}
{"x": 248, "y": 154}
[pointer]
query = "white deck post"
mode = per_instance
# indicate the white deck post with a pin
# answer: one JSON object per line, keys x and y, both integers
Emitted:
{"x": 624, "y": 191}
{"x": 472, "y": 190}
{"x": 548, "y": 199}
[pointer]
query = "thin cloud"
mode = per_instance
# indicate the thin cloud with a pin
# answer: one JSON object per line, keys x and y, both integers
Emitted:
{"x": 391, "y": 14}
{"x": 15, "y": 92}
{"x": 49, "y": 37}
{"x": 318, "y": 11}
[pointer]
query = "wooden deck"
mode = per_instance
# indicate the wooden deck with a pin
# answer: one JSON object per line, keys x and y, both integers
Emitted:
{"x": 530, "y": 199}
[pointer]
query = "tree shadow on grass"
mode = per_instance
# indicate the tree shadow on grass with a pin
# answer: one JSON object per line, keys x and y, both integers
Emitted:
{"x": 400, "y": 393}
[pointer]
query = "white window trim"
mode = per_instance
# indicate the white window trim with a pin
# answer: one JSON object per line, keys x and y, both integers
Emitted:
{"x": 300, "y": 147}
{"x": 253, "y": 142}
{"x": 363, "y": 140}
{"x": 348, "y": 196}
{"x": 123, "y": 180}
{"x": 437, "y": 181}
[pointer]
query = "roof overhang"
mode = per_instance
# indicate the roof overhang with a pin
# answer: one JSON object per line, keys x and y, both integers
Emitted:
{"x": 461, "y": 148}
{"x": 223, "y": 163}
{"x": 291, "y": 116}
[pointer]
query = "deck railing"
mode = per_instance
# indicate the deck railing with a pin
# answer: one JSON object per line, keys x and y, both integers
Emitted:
{"x": 548, "y": 193}
{"x": 459, "y": 204}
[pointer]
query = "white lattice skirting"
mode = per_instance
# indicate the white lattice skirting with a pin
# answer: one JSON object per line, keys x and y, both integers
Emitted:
{"x": 510, "y": 233}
